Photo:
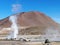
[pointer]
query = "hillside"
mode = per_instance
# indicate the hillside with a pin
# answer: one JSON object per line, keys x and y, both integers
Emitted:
{"x": 33, "y": 22}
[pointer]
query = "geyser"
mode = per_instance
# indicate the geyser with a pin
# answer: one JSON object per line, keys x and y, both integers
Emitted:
{"x": 13, "y": 19}
{"x": 14, "y": 26}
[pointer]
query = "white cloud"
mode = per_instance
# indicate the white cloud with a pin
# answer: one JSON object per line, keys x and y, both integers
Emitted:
{"x": 16, "y": 8}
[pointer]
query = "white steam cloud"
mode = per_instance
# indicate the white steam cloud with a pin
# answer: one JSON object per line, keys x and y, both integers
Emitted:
{"x": 52, "y": 34}
{"x": 13, "y": 19}
{"x": 14, "y": 26}
{"x": 16, "y": 8}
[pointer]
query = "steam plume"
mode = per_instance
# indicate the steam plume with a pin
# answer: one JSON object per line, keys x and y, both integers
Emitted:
{"x": 16, "y": 8}
{"x": 14, "y": 26}
{"x": 52, "y": 34}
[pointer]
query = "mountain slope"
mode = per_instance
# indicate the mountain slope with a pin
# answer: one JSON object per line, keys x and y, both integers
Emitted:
{"x": 30, "y": 20}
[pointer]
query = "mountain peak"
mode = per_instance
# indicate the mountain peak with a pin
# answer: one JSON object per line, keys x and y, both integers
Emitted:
{"x": 31, "y": 18}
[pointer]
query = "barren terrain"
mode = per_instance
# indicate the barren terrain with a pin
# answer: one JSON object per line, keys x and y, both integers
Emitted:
{"x": 25, "y": 43}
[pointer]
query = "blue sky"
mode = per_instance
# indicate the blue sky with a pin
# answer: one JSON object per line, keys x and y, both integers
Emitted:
{"x": 49, "y": 7}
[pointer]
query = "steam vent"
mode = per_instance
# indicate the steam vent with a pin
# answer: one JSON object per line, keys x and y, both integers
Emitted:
{"x": 32, "y": 26}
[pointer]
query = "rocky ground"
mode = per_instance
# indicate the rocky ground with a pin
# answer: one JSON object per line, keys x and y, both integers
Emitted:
{"x": 25, "y": 43}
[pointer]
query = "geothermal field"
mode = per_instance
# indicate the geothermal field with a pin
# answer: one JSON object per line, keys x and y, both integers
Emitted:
{"x": 27, "y": 25}
{"x": 23, "y": 29}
